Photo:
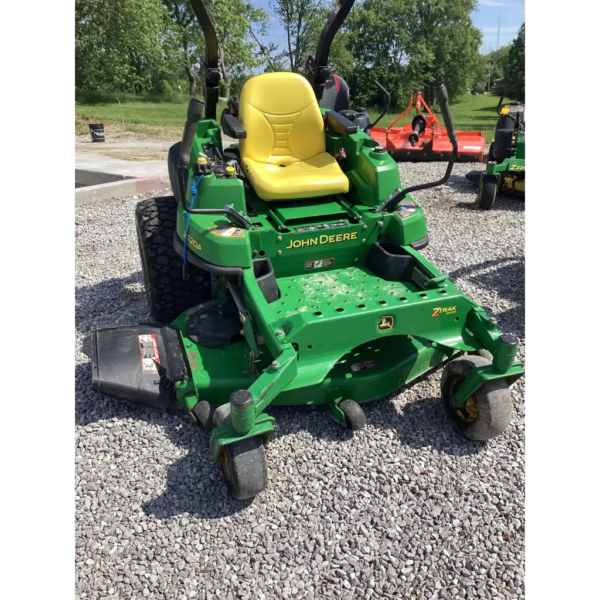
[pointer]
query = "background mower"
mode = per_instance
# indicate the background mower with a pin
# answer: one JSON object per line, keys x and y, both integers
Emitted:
{"x": 323, "y": 297}
{"x": 505, "y": 170}
{"x": 424, "y": 138}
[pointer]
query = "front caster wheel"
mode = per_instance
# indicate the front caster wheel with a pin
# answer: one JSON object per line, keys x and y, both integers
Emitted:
{"x": 488, "y": 412}
{"x": 244, "y": 463}
{"x": 484, "y": 353}
{"x": 354, "y": 415}
{"x": 202, "y": 413}
{"x": 487, "y": 194}
{"x": 245, "y": 467}
{"x": 222, "y": 415}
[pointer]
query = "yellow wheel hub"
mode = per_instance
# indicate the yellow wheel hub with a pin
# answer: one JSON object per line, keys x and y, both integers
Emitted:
{"x": 469, "y": 410}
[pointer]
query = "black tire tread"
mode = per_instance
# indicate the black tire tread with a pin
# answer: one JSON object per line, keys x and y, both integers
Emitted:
{"x": 167, "y": 292}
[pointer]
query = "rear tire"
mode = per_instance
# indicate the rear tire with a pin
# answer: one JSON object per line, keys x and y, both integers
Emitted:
{"x": 487, "y": 196}
{"x": 167, "y": 293}
{"x": 174, "y": 174}
{"x": 488, "y": 412}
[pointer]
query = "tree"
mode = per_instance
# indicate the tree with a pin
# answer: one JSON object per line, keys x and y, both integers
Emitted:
{"x": 489, "y": 68}
{"x": 117, "y": 43}
{"x": 408, "y": 44}
{"x": 515, "y": 67}
{"x": 302, "y": 21}
{"x": 186, "y": 39}
{"x": 234, "y": 21}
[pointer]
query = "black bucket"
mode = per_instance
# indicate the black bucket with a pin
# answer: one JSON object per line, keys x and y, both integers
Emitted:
{"x": 97, "y": 132}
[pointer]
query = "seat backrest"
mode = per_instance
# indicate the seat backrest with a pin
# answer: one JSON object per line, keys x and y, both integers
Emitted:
{"x": 336, "y": 95}
{"x": 282, "y": 118}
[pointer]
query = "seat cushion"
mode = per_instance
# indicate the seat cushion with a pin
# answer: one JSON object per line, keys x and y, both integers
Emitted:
{"x": 310, "y": 178}
{"x": 283, "y": 154}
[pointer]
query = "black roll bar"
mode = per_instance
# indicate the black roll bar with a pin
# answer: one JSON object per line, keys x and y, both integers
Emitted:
{"x": 212, "y": 61}
{"x": 318, "y": 67}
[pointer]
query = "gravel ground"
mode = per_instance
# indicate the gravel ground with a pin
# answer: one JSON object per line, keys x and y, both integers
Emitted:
{"x": 403, "y": 509}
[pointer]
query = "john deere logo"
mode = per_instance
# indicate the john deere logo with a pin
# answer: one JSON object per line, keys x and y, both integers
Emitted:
{"x": 385, "y": 323}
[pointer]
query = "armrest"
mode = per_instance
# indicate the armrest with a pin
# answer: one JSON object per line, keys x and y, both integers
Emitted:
{"x": 232, "y": 127}
{"x": 335, "y": 123}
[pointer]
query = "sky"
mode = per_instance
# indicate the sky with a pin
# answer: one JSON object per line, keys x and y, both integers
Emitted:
{"x": 510, "y": 12}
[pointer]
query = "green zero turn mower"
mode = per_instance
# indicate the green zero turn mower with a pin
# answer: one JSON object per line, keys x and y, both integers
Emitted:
{"x": 323, "y": 296}
{"x": 505, "y": 171}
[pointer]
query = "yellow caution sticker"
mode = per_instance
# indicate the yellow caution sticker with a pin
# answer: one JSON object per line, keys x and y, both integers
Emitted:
{"x": 228, "y": 231}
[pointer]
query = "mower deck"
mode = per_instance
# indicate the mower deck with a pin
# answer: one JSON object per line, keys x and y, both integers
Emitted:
{"x": 369, "y": 371}
{"x": 344, "y": 325}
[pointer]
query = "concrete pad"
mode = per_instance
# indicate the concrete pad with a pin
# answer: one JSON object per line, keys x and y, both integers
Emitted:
{"x": 129, "y": 151}
{"x": 124, "y": 187}
{"x": 107, "y": 164}
{"x": 104, "y": 177}
{"x": 109, "y": 170}
{"x": 85, "y": 178}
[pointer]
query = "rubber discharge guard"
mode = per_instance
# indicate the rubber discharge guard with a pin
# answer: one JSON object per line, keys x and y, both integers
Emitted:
{"x": 138, "y": 363}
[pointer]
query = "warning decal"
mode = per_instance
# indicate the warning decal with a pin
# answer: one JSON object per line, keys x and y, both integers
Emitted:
{"x": 149, "y": 352}
{"x": 228, "y": 231}
{"x": 406, "y": 208}
{"x": 361, "y": 366}
{"x": 319, "y": 264}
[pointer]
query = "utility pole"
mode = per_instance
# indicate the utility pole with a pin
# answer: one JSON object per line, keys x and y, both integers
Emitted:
{"x": 498, "y": 36}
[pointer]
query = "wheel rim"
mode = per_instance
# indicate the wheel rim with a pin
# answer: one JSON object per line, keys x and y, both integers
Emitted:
{"x": 469, "y": 411}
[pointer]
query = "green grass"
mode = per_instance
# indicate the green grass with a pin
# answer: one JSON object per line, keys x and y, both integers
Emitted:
{"x": 470, "y": 113}
{"x": 151, "y": 118}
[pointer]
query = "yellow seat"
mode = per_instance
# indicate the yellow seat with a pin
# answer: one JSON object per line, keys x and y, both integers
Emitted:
{"x": 283, "y": 155}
